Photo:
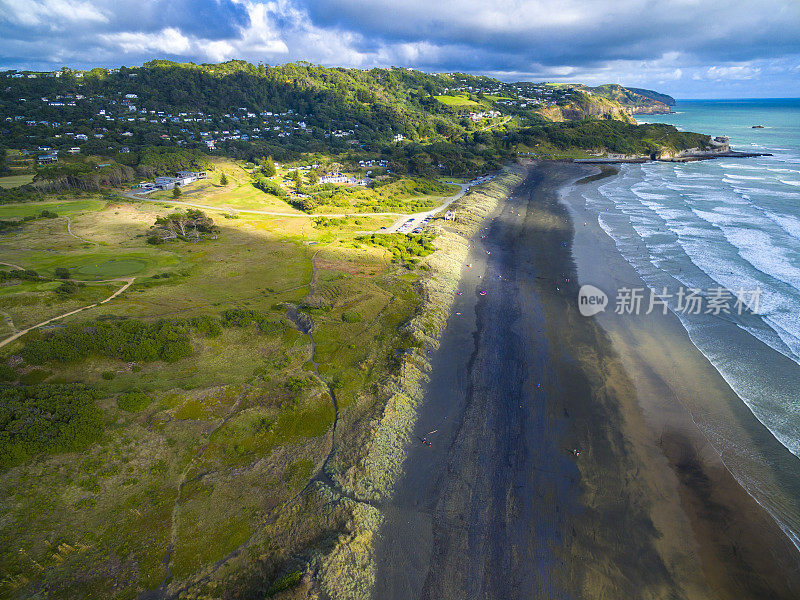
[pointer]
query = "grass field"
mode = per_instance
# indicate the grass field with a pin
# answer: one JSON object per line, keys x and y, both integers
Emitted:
{"x": 239, "y": 193}
{"x": 25, "y": 209}
{"x": 225, "y": 438}
{"x": 12, "y": 181}
{"x": 405, "y": 195}
{"x": 459, "y": 100}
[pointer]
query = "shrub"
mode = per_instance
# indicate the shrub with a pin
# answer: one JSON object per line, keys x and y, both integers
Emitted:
{"x": 108, "y": 375}
{"x": 62, "y": 272}
{"x": 47, "y": 419}
{"x": 286, "y": 582}
{"x": 351, "y": 316}
{"x": 133, "y": 401}
{"x": 22, "y": 275}
{"x": 7, "y": 373}
{"x": 130, "y": 340}
{"x": 268, "y": 186}
{"x": 404, "y": 248}
{"x": 296, "y": 384}
{"x": 240, "y": 317}
{"x": 207, "y": 325}
{"x": 68, "y": 288}
{"x": 270, "y": 327}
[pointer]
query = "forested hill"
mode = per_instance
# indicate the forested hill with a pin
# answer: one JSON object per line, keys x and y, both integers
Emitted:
{"x": 107, "y": 122}
{"x": 166, "y": 85}
{"x": 378, "y": 103}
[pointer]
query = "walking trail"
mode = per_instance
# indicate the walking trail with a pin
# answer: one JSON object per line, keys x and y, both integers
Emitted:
{"x": 128, "y": 281}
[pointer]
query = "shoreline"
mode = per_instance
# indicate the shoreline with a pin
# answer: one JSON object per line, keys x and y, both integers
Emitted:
{"x": 677, "y": 387}
{"x": 564, "y": 462}
{"x": 676, "y": 159}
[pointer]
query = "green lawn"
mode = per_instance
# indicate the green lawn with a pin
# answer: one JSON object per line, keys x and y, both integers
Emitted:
{"x": 19, "y": 210}
{"x": 15, "y": 180}
{"x": 456, "y": 100}
{"x": 100, "y": 263}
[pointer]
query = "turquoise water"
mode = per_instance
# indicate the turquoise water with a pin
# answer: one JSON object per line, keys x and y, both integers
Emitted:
{"x": 732, "y": 224}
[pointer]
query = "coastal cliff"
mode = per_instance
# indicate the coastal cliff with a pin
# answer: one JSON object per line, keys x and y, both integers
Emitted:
{"x": 635, "y": 101}
{"x": 585, "y": 105}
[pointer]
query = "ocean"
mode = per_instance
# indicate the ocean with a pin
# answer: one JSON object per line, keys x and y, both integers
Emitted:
{"x": 730, "y": 224}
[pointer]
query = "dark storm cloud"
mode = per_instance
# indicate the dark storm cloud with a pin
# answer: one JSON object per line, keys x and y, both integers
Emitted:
{"x": 577, "y": 32}
{"x": 633, "y": 41}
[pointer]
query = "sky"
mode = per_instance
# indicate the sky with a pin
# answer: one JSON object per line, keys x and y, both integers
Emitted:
{"x": 686, "y": 48}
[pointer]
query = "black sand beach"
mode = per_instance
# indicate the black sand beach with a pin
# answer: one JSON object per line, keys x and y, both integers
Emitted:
{"x": 547, "y": 476}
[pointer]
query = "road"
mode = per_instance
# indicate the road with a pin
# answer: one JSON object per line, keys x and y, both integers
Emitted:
{"x": 402, "y": 217}
{"x": 417, "y": 218}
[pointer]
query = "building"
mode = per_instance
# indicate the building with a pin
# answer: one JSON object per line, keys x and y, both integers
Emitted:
{"x": 166, "y": 183}
{"x": 194, "y": 174}
{"x": 47, "y": 159}
{"x": 75, "y": 150}
{"x": 333, "y": 178}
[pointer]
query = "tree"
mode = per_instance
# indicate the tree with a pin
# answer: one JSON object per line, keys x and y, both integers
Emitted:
{"x": 269, "y": 186}
{"x": 176, "y": 192}
{"x": 62, "y": 272}
{"x": 313, "y": 178}
{"x": 268, "y": 167}
{"x": 223, "y": 180}
{"x": 297, "y": 178}
{"x": 191, "y": 223}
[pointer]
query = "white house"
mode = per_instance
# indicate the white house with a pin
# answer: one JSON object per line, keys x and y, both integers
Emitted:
{"x": 334, "y": 178}
{"x": 195, "y": 175}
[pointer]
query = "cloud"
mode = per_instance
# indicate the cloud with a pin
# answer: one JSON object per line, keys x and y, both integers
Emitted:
{"x": 729, "y": 72}
{"x": 682, "y": 43}
{"x": 33, "y": 13}
{"x": 169, "y": 40}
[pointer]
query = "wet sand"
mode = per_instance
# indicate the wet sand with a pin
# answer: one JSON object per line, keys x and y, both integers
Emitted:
{"x": 550, "y": 474}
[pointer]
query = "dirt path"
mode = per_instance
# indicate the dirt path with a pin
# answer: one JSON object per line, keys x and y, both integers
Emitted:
{"x": 12, "y": 265}
{"x": 128, "y": 281}
{"x": 77, "y": 237}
